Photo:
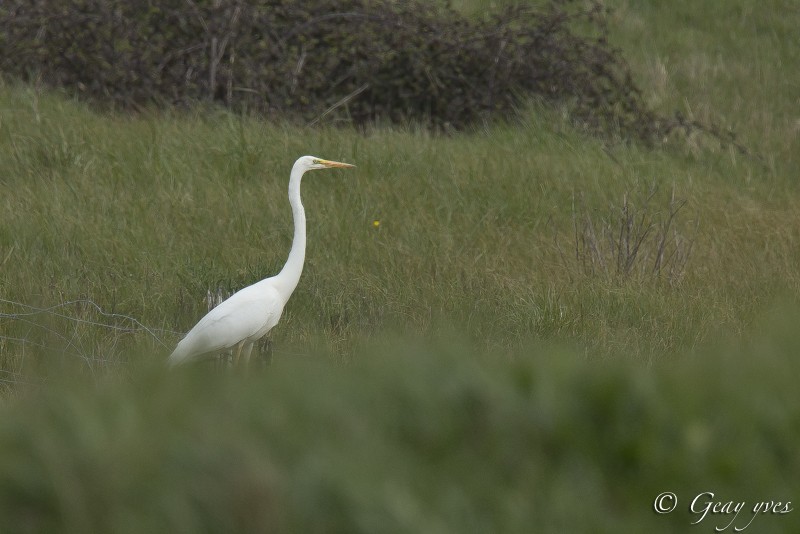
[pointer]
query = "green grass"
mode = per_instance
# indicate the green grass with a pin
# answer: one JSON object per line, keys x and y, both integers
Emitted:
{"x": 412, "y": 438}
{"x": 543, "y": 404}
{"x": 143, "y": 215}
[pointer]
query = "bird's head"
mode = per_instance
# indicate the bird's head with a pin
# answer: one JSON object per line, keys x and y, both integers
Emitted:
{"x": 310, "y": 163}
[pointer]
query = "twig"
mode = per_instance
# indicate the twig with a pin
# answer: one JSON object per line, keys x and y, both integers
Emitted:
{"x": 98, "y": 309}
{"x": 340, "y": 103}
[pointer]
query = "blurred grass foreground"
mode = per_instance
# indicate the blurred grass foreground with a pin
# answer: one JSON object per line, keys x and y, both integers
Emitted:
{"x": 425, "y": 438}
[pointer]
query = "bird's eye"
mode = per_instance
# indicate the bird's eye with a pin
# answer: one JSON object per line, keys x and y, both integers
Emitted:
{"x": 317, "y": 162}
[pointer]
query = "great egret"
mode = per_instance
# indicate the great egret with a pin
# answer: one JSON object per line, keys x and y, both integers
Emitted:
{"x": 250, "y": 313}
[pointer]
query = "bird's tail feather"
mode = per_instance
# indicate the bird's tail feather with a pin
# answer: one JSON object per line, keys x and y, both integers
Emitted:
{"x": 178, "y": 356}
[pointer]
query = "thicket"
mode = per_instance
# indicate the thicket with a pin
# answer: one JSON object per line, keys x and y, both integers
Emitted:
{"x": 360, "y": 61}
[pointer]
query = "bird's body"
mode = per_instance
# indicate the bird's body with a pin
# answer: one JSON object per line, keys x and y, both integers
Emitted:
{"x": 237, "y": 323}
{"x": 250, "y": 313}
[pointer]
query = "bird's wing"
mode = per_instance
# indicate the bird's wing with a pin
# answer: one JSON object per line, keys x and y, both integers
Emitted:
{"x": 246, "y": 315}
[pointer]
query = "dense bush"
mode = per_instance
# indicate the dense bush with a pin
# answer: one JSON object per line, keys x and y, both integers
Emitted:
{"x": 354, "y": 60}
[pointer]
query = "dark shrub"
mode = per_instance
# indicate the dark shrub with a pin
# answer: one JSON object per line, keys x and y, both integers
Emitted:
{"x": 354, "y": 60}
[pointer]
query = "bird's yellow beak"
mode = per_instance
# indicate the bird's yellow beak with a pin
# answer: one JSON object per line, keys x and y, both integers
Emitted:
{"x": 335, "y": 164}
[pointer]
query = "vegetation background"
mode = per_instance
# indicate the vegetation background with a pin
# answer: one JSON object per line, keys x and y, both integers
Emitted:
{"x": 473, "y": 345}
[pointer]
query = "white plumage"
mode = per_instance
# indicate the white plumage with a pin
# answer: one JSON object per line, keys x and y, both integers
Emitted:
{"x": 250, "y": 313}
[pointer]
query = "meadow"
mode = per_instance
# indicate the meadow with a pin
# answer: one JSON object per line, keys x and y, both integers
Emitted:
{"x": 517, "y": 328}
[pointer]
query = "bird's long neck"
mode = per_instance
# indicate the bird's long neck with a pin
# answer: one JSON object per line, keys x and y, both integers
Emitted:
{"x": 287, "y": 279}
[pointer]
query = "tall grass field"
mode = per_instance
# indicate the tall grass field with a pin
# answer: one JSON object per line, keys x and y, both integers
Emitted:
{"x": 513, "y": 329}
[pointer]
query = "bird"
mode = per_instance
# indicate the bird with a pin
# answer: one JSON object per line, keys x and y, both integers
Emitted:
{"x": 247, "y": 315}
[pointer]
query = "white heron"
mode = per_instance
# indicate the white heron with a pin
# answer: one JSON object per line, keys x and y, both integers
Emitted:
{"x": 250, "y": 313}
